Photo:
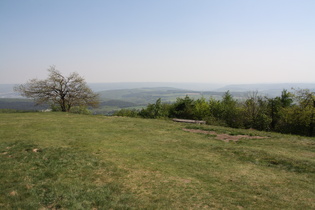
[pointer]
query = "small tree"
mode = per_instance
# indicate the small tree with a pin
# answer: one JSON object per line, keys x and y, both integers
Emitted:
{"x": 306, "y": 99}
{"x": 277, "y": 106}
{"x": 231, "y": 112}
{"x": 59, "y": 91}
{"x": 201, "y": 109}
{"x": 256, "y": 112}
{"x": 157, "y": 110}
{"x": 183, "y": 108}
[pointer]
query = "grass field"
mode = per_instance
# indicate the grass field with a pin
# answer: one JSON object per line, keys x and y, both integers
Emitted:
{"x": 69, "y": 161}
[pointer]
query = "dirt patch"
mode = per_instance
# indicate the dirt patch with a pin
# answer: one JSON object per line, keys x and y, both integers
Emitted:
{"x": 223, "y": 136}
{"x": 36, "y": 150}
{"x": 13, "y": 193}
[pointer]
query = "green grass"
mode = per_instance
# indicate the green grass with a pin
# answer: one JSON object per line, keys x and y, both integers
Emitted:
{"x": 86, "y": 162}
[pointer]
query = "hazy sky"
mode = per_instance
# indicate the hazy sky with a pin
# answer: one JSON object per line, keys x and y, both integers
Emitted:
{"x": 208, "y": 41}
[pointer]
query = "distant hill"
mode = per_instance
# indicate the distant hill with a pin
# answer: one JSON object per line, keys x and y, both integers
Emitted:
{"x": 20, "y": 104}
{"x": 270, "y": 90}
{"x": 115, "y": 96}
{"x": 143, "y": 96}
{"x": 135, "y": 85}
{"x": 6, "y": 90}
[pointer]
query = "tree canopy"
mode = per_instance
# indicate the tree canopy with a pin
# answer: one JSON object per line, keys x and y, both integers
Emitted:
{"x": 59, "y": 91}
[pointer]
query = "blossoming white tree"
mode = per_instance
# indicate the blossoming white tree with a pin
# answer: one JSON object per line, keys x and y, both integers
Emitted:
{"x": 60, "y": 91}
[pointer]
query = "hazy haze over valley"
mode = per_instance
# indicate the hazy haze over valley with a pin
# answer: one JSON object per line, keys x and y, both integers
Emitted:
{"x": 271, "y": 90}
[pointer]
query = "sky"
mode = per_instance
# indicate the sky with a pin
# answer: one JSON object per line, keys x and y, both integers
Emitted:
{"x": 183, "y": 41}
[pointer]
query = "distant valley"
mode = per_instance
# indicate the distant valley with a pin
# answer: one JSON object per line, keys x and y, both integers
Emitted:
{"x": 115, "y": 96}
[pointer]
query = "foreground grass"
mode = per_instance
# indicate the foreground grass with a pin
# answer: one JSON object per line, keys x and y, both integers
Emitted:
{"x": 68, "y": 161}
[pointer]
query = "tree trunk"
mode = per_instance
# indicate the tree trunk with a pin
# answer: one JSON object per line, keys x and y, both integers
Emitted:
{"x": 63, "y": 104}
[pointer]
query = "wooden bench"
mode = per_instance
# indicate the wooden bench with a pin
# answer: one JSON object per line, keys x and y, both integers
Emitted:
{"x": 189, "y": 121}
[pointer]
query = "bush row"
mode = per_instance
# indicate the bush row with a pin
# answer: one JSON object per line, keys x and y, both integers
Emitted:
{"x": 292, "y": 113}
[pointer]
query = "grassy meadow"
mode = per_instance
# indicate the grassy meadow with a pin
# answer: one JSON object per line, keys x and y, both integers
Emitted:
{"x": 70, "y": 161}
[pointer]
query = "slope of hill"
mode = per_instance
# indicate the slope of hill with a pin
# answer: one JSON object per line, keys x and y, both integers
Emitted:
{"x": 20, "y": 104}
{"x": 271, "y": 90}
{"x": 146, "y": 95}
{"x": 70, "y": 161}
{"x": 136, "y": 85}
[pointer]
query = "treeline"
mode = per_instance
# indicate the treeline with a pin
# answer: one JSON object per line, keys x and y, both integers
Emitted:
{"x": 292, "y": 113}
